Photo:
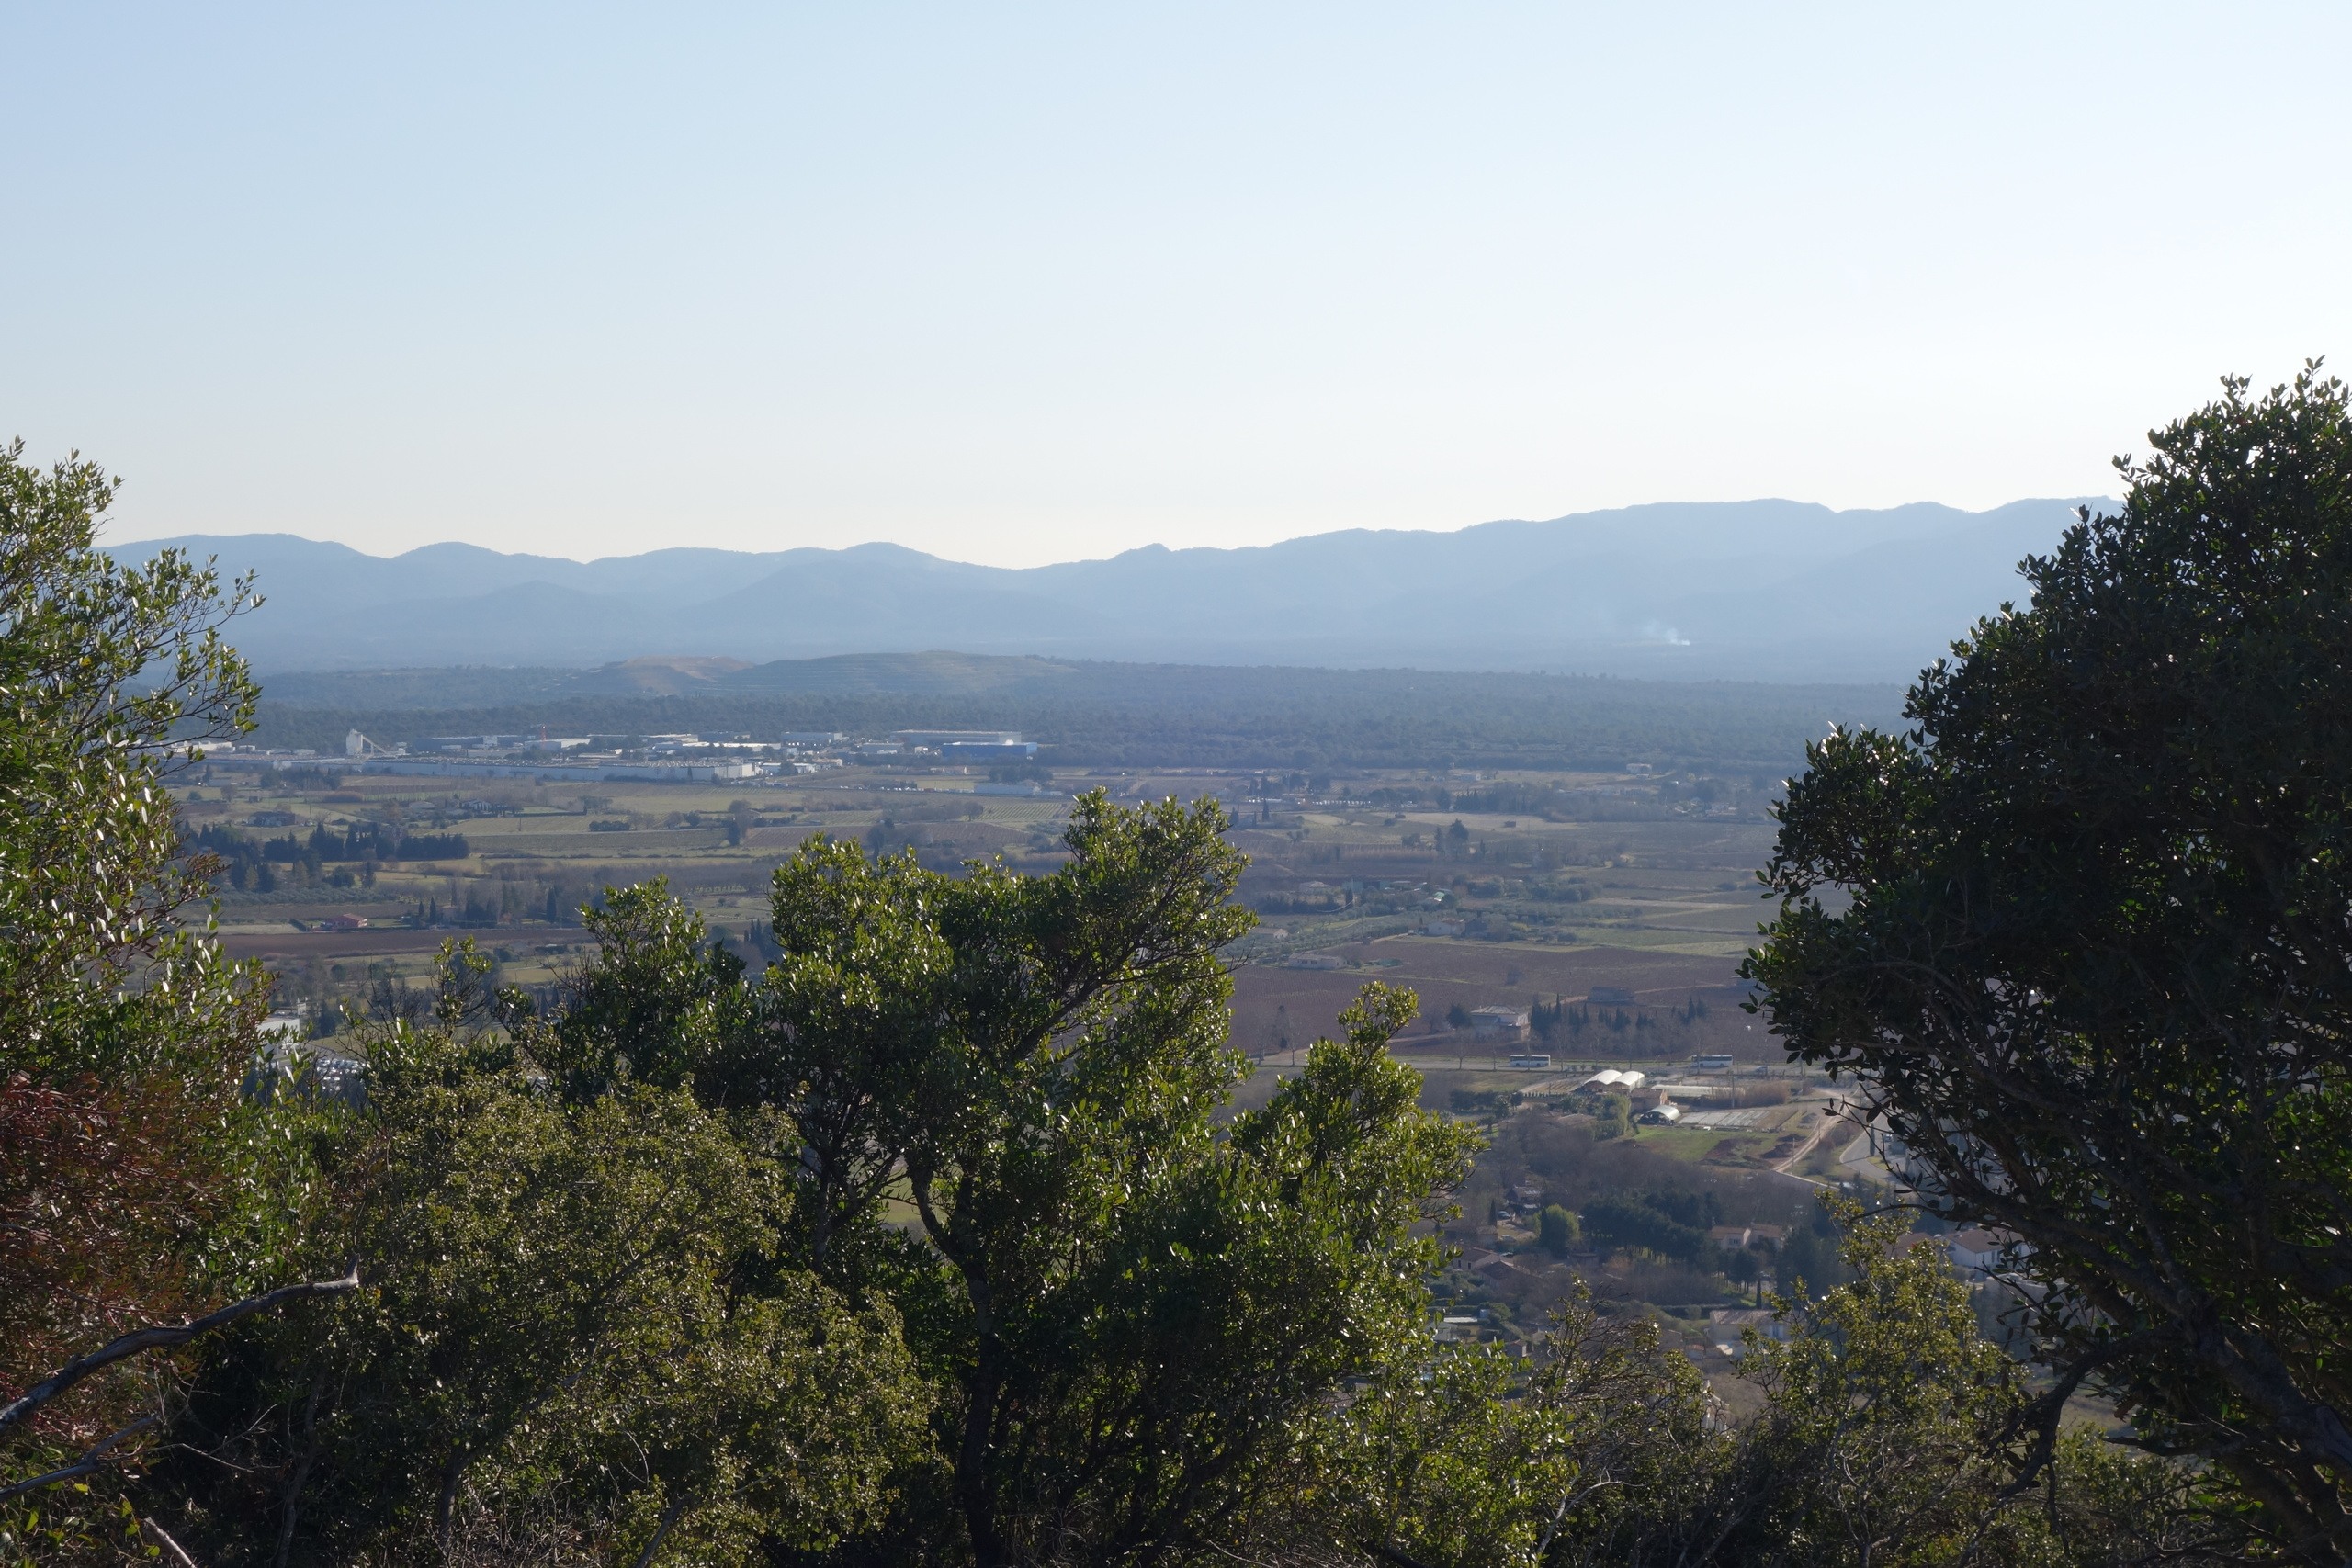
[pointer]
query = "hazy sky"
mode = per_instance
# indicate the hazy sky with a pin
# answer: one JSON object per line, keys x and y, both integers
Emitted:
{"x": 1016, "y": 283}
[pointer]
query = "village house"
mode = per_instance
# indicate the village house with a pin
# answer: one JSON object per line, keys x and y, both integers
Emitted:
{"x": 1498, "y": 1023}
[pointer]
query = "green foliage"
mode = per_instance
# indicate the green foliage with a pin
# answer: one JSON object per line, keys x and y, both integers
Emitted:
{"x": 358, "y": 841}
{"x": 1612, "y": 1115}
{"x": 629, "y": 1274}
{"x": 1556, "y": 1230}
{"x": 656, "y": 1006}
{"x": 933, "y": 1242}
{"x": 1040, "y": 1060}
{"x": 1882, "y": 1437}
{"x": 1885, "y": 1437}
{"x": 1894, "y": 1433}
{"x": 1466, "y": 1459}
{"x": 556, "y": 1317}
{"x": 850, "y": 1020}
{"x": 1672, "y": 1224}
{"x": 2081, "y": 932}
{"x": 133, "y": 1185}
{"x": 99, "y": 666}
{"x": 1509, "y": 798}
{"x": 1485, "y": 1104}
{"x": 1282, "y": 1263}
{"x": 551, "y": 1242}
{"x": 1811, "y": 1260}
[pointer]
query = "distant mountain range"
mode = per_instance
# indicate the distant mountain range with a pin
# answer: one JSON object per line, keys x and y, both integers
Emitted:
{"x": 1755, "y": 590}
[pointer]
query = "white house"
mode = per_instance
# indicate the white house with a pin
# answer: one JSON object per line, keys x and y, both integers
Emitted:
{"x": 1498, "y": 1023}
{"x": 1977, "y": 1251}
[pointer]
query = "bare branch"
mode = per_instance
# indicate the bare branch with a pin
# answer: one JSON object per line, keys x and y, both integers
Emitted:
{"x": 80, "y": 1467}
{"x": 160, "y": 1337}
{"x": 178, "y": 1552}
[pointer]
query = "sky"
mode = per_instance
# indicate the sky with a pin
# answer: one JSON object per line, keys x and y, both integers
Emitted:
{"x": 1024, "y": 283}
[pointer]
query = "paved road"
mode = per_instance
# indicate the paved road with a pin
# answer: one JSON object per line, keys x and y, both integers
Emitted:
{"x": 1830, "y": 1118}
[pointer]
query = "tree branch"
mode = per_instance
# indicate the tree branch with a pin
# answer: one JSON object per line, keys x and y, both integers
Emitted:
{"x": 179, "y": 1553}
{"x": 159, "y": 1338}
{"x": 82, "y": 1466}
{"x": 670, "y": 1517}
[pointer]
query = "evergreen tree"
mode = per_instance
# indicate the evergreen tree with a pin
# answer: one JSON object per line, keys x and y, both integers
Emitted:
{"x": 135, "y": 1187}
{"x": 2079, "y": 938}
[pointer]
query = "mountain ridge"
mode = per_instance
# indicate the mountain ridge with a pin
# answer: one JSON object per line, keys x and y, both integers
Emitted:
{"x": 1759, "y": 589}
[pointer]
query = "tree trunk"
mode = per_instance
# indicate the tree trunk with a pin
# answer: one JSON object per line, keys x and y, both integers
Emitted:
{"x": 301, "y": 1476}
{"x": 445, "y": 1510}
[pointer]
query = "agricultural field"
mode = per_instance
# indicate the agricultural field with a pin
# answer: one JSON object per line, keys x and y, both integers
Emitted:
{"x": 1621, "y": 935}
{"x": 1617, "y": 927}
{"x": 1469, "y": 909}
